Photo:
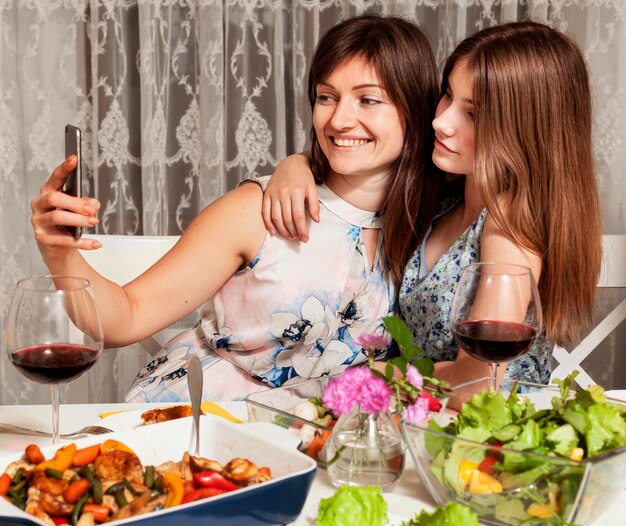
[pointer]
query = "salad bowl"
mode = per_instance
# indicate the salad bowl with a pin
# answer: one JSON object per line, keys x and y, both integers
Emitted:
{"x": 531, "y": 471}
{"x": 280, "y": 407}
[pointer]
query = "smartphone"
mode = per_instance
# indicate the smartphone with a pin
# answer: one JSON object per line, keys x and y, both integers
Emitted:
{"x": 74, "y": 183}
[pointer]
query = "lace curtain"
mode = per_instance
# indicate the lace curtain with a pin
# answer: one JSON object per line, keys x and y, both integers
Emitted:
{"x": 181, "y": 99}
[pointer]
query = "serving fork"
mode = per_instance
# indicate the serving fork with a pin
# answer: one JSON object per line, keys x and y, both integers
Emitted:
{"x": 87, "y": 430}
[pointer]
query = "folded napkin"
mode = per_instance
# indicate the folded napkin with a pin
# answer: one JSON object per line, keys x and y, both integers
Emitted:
{"x": 208, "y": 408}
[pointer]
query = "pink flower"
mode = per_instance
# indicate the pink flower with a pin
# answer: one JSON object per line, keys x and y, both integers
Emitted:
{"x": 357, "y": 385}
{"x": 372, "y": 341}
{"x": 414, "y": 377}
{"x": 416, "y": 413}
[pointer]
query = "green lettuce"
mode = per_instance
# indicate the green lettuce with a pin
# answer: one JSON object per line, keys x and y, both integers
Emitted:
{"x": 353, "y": 506}
{"x": 452, "y": 514}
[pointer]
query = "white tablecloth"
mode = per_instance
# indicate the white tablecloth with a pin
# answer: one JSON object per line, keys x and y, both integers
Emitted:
{"x": 409, "y": 497}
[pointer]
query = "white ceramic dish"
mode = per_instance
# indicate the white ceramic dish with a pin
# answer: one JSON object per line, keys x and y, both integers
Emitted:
{"x": 278, "y": 501}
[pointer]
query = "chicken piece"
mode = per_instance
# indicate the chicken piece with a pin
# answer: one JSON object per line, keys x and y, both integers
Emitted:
{"x": 154, "y": 416}
{"x": 33, "y": 507}
{"x": 139, "y": 506}
{"x": 47, "y": 484}
{"x": 198, "y": 464}
{"x": 115, "y": 465}
{"x": 86, "y": 519}
{"x": 47, "y": 502}
{"x": 241, "y": 471}
{"x": 12, "y": 468}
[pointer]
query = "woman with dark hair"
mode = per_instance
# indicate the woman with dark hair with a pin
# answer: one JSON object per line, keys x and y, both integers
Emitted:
{"x": 278, "y": 311}
{"x": 513, "y": 130}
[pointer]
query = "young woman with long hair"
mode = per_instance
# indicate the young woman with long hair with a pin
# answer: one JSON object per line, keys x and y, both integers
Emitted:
{"x": 276, "y": 312}
{"x": 513, "y": 131}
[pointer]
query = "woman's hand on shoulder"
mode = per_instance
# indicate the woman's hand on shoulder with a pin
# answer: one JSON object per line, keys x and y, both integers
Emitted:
{"x": 53, "y": 209}
{"x": 290, "y": 187}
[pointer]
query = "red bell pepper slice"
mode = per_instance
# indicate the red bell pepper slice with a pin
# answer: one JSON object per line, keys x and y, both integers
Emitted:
{"x": 201, "y": 493}
{"x": 214, "y": 480}
{"x": 486, "y": 466}
{"x": 60, "y": 520}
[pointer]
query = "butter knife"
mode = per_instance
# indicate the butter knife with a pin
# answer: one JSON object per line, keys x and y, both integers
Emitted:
{"x": 194, "y": 384}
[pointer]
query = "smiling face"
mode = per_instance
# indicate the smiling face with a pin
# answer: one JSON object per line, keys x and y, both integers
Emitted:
{"x": 454, "y": 125}
{"x": 359, "y": 129}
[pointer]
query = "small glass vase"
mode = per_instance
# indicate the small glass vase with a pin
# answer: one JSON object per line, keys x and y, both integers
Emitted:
{"x": 365, "y": 450}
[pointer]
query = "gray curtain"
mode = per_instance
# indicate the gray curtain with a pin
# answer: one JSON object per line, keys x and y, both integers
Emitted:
{"x": 180, "y": 100}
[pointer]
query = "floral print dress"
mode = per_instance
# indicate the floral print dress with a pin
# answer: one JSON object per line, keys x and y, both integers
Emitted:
{"x": 294, "y": 312}
{"x": 425, "y": 300}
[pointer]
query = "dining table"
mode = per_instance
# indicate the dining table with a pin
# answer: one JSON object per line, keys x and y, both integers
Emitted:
{"x": 408, "y": 498}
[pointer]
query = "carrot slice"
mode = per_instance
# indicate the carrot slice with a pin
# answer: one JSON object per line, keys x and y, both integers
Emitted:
{"x": 317, "y": 444}
{"x": 86, "y": 455}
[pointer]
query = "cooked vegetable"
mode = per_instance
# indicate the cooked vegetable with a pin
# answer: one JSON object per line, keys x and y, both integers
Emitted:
{"x": 34, "y": 454}
{"x": 100, "y": 513}
{"x": 76, "y": 490}
{"x": 201, "y": 493}
{"x": 85, "y": 456}
{"x": 61, "y": 461}
{"x": 56, "y": 494}
{"x": 214, "y": 480}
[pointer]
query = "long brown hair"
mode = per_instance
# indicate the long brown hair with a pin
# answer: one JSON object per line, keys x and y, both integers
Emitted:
{"x": 532, "y": 127}
{"x": 399, "y": 52}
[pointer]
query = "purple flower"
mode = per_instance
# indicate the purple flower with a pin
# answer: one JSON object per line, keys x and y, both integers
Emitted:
{"x": 414, "y": 377}
{"x": 357, "y": 385}
{"x": 416, "y": 413}
{"x": 372, "y": 341}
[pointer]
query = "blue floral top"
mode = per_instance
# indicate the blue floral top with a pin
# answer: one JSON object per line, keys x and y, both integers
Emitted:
{"x": 294, "y": 312}
{"x": 425, "y": 300}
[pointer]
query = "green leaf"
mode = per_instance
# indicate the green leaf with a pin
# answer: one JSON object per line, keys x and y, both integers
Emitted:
{"x": 564, "y": 438}
{"x": 353, "y": 505}
{"x": 452, "y": 514}
{"x": 425, "y": 366}
{"x": 398, "y": 330}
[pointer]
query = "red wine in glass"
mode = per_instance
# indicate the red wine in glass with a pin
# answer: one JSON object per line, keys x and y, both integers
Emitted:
{"x": 494, "y": 341}
{"x": 53, "y": 332}
{"x": 54, "y": 363}
{"x": 496, "y": 313}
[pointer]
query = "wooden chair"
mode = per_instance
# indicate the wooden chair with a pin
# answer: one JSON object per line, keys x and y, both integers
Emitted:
{"x": 613, "y": 275}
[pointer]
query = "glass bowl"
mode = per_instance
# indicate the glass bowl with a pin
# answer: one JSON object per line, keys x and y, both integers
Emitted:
{"x": 544, "y": 487}
{"x": 277, "y": 406}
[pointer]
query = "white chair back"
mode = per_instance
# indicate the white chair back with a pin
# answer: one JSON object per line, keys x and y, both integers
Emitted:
{"x": 122, "y": 258}
{"x": 613, "y": 275}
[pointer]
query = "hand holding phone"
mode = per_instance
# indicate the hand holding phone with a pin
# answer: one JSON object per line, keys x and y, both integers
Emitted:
{"x": 73, "y": 184}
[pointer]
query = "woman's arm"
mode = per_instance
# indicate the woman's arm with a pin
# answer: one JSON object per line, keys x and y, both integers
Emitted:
{"x": 290, "y": 186}
{"x": 221, "y": 239}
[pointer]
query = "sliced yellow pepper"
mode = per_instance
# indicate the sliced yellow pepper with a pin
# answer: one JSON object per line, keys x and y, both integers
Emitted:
{"x": 114, "y": 445}
{"x": 174, "y": 485}
{"x": 540, "y": 511}
{"x": 61, "y": 461}
{"x": 466, "y": 468}
{"x": 483, "y": 483}
{"x": 577, "y": 453}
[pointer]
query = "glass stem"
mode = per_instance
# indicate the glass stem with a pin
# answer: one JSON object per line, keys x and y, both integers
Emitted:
{"x": 494, "y": 367}
{"x": 54, "y": 396}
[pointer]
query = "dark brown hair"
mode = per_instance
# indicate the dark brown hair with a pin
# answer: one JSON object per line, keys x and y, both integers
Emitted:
{"x": 532, "y": 127}
{"x": 399, "y": 52}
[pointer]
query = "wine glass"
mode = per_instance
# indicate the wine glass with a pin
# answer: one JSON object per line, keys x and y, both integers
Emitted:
{"x": 496, "y": 313}
{"x": 53, "y": 332}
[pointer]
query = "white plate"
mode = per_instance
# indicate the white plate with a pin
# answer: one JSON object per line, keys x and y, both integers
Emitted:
{"x": 280, "y": 499}
{"x": 132, "y": 419}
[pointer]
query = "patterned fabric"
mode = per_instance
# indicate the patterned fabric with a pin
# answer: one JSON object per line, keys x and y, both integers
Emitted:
{"x": 425, "y": 300}
{"x": 293, "y": 313}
